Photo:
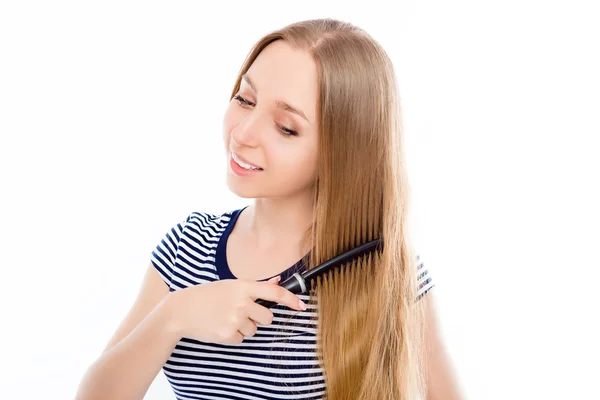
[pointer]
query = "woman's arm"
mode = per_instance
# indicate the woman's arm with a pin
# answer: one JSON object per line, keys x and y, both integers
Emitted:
{"x": 441, "y": 380}
{"x": 138, "y": 350}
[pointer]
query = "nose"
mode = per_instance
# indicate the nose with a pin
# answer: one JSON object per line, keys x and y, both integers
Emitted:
{"x": 248, "y": 131}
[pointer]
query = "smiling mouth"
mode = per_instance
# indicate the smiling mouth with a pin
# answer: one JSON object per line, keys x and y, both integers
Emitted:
{"x": 244, "y": 165}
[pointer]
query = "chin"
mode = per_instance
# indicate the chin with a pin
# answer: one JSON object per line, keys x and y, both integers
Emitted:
{"x": 243, "y": 191}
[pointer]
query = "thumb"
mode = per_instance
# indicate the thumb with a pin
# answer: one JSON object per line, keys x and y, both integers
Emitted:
{"x": 274, "y": 279}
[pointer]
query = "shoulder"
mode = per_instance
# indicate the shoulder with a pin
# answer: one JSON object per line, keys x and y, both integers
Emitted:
{"x": 208, "y": 220}
{"x": 424, "y": 277}
{"x": 206, "y": 224}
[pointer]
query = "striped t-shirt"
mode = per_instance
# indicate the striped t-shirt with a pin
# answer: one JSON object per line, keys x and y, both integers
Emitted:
{"x": 278, "y": 362}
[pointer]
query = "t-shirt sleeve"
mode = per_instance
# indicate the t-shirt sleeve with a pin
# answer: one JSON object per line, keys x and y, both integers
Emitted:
{"x": 165, "y": 253}
{"x": 424, "y": 278}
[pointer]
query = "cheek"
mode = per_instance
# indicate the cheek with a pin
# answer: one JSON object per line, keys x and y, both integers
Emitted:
{"x": 291, "y": 160}
{"x": 311, "y": 162}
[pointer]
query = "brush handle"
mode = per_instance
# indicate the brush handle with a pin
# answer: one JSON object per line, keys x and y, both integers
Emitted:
{"x": 294, "y": 284}
{"x": 297, "y": 283}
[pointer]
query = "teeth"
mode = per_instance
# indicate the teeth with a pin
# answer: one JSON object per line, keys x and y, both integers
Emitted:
{"x": 243, "y": 164}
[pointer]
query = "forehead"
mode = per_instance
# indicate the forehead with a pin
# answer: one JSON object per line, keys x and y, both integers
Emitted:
{"x": 282, "y": 73}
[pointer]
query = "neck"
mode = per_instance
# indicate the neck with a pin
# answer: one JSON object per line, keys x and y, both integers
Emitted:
{"x": 277, "y": 222}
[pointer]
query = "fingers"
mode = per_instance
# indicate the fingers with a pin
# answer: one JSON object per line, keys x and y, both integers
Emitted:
{"x": 276, "y": 293}
{"x": 235, "y": 338}
{"x": 248, "y": 327}
{"x": 260, "y": 314}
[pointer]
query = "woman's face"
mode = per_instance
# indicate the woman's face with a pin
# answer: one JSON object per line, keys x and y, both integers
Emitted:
{"x": 260, "y": 130}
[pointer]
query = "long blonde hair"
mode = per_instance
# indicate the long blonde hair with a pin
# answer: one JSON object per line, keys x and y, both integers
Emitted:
{"x": 370, "y": 324}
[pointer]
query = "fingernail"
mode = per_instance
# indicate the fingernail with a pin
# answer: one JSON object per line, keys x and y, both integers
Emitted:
{"x": 302, "y": 305}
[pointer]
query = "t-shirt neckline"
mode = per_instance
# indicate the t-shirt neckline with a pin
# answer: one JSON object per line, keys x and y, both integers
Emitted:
{"x": 222, "y": 266}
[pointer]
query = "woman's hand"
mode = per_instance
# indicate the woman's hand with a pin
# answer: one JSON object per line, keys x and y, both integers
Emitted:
{"x": 224, "y": 311}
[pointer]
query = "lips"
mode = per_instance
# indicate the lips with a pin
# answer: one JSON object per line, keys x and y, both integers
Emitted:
{"x": 242, "y": 159}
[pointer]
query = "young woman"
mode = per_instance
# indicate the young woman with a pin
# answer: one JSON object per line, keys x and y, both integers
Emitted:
{"x": 313, "y": 135}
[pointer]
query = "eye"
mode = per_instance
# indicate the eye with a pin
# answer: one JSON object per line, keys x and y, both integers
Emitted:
{"x": 286, "y": 131}
{"x": 241, "y": 100}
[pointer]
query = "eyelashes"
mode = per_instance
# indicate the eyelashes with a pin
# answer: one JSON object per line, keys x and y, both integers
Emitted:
{"x": 286, "y": 131}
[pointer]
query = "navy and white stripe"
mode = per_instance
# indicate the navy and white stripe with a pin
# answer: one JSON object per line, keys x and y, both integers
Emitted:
{"x": 424, "y": 279}
{"x": 278, "y": 362}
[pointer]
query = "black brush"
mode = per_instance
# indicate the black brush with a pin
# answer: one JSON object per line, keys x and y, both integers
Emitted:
{"x": 299, "y": 283}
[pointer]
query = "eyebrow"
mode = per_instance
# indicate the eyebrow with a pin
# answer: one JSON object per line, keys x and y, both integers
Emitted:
{"x": 280, "y": 104}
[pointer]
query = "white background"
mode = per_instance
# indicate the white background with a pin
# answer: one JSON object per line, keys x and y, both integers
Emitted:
{"x": 110, "y": 122}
